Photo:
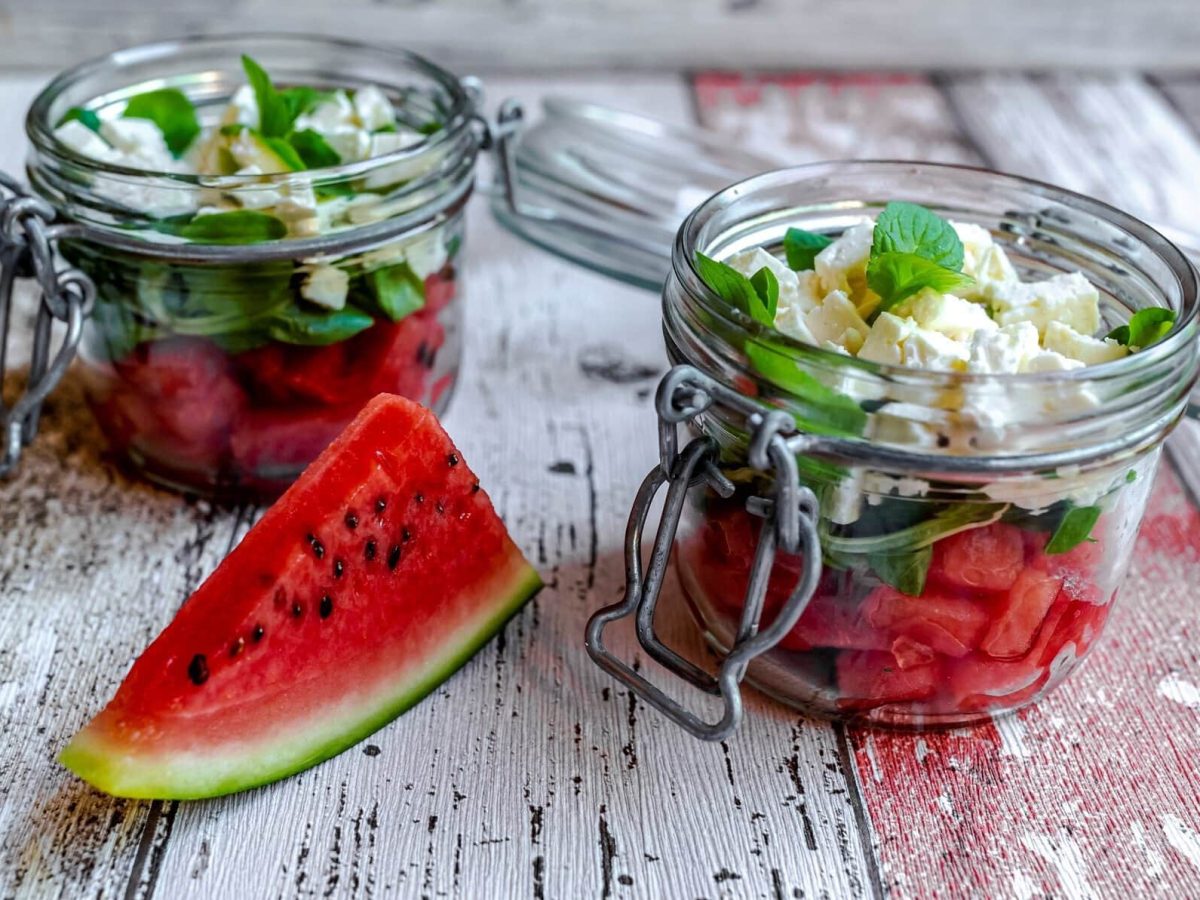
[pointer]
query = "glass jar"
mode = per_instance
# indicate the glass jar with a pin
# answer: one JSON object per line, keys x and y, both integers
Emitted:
{"x": 890, "y": 545}
{"x": 207, "y": 361}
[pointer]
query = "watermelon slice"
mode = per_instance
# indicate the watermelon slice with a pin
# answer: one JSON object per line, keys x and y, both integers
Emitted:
{"x": 378, "y": 574}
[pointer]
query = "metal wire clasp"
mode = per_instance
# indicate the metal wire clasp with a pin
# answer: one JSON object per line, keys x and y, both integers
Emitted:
{"x": 27, "y": 237}
{"x": 789, "y": 522}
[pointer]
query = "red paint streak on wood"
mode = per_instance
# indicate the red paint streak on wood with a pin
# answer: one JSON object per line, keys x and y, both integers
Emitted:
{"x": 1093, "y": 792}
{"x": 714, "y": 88}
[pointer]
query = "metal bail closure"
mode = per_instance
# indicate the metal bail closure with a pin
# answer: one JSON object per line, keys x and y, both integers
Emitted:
{"x": 789, "y": 522}
{"x": 27, "y": 237}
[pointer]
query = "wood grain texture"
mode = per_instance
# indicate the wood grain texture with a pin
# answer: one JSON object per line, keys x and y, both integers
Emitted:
{"x": 529, "y": 773}
{"x": 668, "y": 34}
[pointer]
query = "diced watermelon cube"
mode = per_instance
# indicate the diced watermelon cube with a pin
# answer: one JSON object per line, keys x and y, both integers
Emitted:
{"x": 1020, "y": 614}
{"x": 988, "y": 558}
{"x": 832, "y": 621}
{"x": 868, "y": 678}
{"x": 949, "y": 625}
{"x": 910, "y": 654}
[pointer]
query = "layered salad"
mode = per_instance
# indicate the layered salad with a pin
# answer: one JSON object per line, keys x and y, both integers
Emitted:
{"x": 938, "y": 601}
{"x": 230, "y": 375}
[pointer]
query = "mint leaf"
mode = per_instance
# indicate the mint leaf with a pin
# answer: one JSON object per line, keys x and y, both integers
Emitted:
{"x": 239, "y": 226}
{"x": 274, "y": 116}
{"x": 301, "y": 99}
{"x": 172, "y": 112}
{"x": 766, "y": 285}
{"x": 909, "y": 228}
{"x": 905, "y": 572}
{"x": 316, "y": 329}
{"x": 313, "y": 149}
{"x": 1145, "y": 328}
{"x": 734, "y": 288}
{"x": 1075, "y": 528}
{"x": 819, "y": 409}
{"x": 897, "y": 276}
{"x": 286, "y": 152}
{"x": 85, "y": 117}
{"x": 394, "y": 291}
{"x": 801, "y": 248}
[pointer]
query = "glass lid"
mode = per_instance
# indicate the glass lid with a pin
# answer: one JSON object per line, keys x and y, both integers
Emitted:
{"x": 608, "y": 189}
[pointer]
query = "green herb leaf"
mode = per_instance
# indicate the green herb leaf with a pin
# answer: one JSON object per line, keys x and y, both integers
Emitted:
{"x": 233, "y": 129}
{"x": 734, "y": 288}
{"x": 1075, "y": 528}
{"x": 1147, "y": 326}
{"x": 427, "y": 128}
{"x": 274, "y": 116}
{"x": 316, "y": 329}
{"x": 909, "y": 228}
{"x": 394, "y": 291}
{"x": 897, "y": 276}
{"x": 239, "y": 226}
{"x": 947, "y": 521}
{"x": 314, "y": 150}
{"x": 802, "y": 247}
{"x": 820, "y": 410}
{"x": 766, "y": 285}
{"x": 172, "y": 112}
{"x": 301, "y": 99}
{"x": 905, "y": 572}
{"x": 85, "y": 117}
{"x": 286, "y": 152}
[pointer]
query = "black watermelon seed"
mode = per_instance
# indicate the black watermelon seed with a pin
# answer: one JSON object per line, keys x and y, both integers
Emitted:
{"x": 317, "y": 547}
{"x": 422, "y": 349}
{"x": 236, "y": 647}
{"x": 452, "y": 459}
{"x": 338, "y": 567}
{"x": 257, "y": 634}
{"x": 297, "y": 610}
{"x": 393, "y": 559}
{"x": 405, "y": 535}
{"x": 198, "y": 669}
{"x": 369, "y": 550}
{"x": 326, "y": 608}
{"x": 351, "y": 520}
{"x": 380, "y": 505}
{"x": 475, "y": 488}
{"x": 420, "y": 498}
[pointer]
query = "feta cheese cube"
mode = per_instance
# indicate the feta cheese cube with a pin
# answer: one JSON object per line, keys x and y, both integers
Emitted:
{"x": 84, "y": 141}
{"x": 886, "y": 337}
{"x": 1003, "y": 350}
{"x": 842, "y": 265}
{"x": 350, "y": 143}
{"x": 329, "y": 115}
{"x": 326, "y": 286}
{"x": 1069, "y": 299}
{"x": 837, "y": 320}
{"x": 952, "y": 316}
{"x": 1088, "y": 350}
{"x": 790, "y": 321}
{"x": 426, "y": 254}
{"x": 1050, "y": 361}
{"x": 390, "y": 142}
{"x": 140, "y": 143}
{"x": 373, "y": 108}
{"x": 925, "y": 349}
{"x": 242, "y": 108}
{"x": 796, "y": 289}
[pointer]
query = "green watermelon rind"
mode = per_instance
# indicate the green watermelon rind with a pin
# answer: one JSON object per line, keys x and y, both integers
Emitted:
{"x": 106, "y": 767}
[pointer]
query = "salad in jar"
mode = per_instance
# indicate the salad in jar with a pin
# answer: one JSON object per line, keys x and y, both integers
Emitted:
{"x": 940, "y": 600}
{"x": 227, "y": 373}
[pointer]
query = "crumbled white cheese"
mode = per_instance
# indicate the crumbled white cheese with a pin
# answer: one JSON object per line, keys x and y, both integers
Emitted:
{"x": 329, "y": 115}
{"x": 886, "y": 339}
{"x": 837, "y": 320}
{"x": 139, "y": 141}
{"x": 426, "y": 254}
{"x": 373, "y": 108}
{"x": 842, "y": 265}
{"x": 1003, "y": 350}
{"x": 326, "y": 286}
{"x": 1088, "y": 350}
{"x": 926, "y": 349}
{"x": 798, "y": 291}
{"x": 390, "y": 142}
{"x": 1070, "y": 299}
{"x": 952, "y": 316}
{"x": 242, "y": 108}
{"x": 83, "y": 140}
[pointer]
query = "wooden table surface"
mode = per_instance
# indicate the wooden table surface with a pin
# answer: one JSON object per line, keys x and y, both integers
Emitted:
{"x": 529, "y": 774}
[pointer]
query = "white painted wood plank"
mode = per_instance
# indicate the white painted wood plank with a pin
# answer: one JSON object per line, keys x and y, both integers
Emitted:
{"x": 670, "y": 34}
{"x": 527, "y": 774}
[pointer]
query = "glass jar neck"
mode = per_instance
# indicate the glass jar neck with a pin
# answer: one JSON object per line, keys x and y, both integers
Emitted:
{"x": 942, "y": 422}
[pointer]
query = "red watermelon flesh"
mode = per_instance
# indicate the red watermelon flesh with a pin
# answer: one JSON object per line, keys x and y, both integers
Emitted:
{"x": 378, "y": 573}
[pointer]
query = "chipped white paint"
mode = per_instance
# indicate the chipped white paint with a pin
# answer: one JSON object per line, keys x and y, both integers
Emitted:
{"x": 1062, "y": 853}
{"x": 1155, "y": 865}
{"x": 921, "y": 750}
{"x": 1183, "y": 837}
{"x": 1013, "y": 742}
{"x": 873, "y": 757}
{"x": 1178, "y": 689}
{"x": 1024, "y": 887}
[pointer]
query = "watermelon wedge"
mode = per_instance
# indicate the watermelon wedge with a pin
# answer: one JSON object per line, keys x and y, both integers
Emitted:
{"x": 370, "y": 581}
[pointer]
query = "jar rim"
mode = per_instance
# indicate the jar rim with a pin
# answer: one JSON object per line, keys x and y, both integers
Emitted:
{"x": 1180, "y": 337}
{"x": 40, "y": 130}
